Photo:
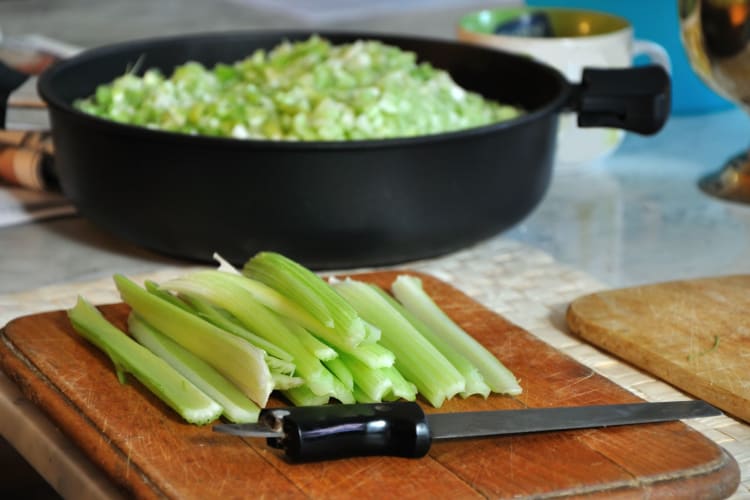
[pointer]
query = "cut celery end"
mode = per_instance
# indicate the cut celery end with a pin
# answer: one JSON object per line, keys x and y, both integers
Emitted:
{"x": 280, "y": 366}
{"x": 238, "y": 360}
{"x": 373, "y": 355}
{"x": 257, "y": 318}
{"x": 224, "y": 265}
{"x": 154, "y": 373}
{"x": 283, "y": 382}
{"x": 236, "y": 406}
{"x": 400, "y": 387}
{"x": 312, "y": 344}
{"x": 374, "y": 383}
{"x": 408, "y": 290}
{"x": 322, "y": 382}
{"x": 416, "y": 358}
{"x": 475, "y": 384}
{"x": 303, "y": 396}
{"x": 308, "y": 290}
{"x": 372, "y": 333}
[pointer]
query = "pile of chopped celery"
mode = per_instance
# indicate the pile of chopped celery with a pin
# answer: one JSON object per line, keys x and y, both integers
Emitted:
{"x": 218, "y": 342}
{"x": 310, "y": 90}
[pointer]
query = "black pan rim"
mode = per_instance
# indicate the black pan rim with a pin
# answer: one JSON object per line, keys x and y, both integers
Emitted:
{"x": 55, "y": 102}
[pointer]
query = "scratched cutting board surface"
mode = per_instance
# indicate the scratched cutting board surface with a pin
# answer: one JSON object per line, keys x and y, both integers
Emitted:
{"x": 695, "y": 334}
{"x": 145, "y": 448}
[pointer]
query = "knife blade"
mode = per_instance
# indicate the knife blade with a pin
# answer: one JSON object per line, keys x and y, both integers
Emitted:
{"x": 310, "y": 433}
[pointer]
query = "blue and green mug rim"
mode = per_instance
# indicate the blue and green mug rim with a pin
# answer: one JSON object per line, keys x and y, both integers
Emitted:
{"x": 566, "y": 22}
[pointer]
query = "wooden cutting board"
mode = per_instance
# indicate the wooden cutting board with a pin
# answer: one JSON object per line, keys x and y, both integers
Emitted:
{"x": 694, "y": 334}
{"x": 145, "y": 448}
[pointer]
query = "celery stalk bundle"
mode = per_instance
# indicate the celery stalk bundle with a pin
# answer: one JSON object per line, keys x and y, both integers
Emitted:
{"x": 218, "y": 342}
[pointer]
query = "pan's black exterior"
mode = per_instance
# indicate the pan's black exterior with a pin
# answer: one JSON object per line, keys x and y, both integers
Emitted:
{"x": 328, "y": 205}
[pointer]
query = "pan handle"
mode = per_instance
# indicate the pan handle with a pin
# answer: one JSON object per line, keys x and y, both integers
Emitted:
{"x": 635, "y": 99}
{"x": 10, "y": 80}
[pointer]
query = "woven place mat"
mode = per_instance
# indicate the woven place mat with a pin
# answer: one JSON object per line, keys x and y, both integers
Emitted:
{"x": 523, "y": 284}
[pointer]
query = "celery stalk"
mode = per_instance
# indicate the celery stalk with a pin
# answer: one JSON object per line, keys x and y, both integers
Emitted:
{"x": 417, "y": 360}
{"x": 341, "y": 372}
{"x": 257, "y": 318}
{"x": 342, "y": 393}
{"x": 236, "y": 406}
{"x": 308, "y": 290}
{"x": 236, "y": 359}
{"x": 153, "y": 287}
{"x": 475, "y": 383}
{"x": 408, "y": 290}
{"x": 303, "y": 396}
{"x": 154, "y": 373}
{"x": 361, "y": 397}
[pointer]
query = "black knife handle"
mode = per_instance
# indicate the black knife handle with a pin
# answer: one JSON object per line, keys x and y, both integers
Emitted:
{"x": 337, "y": 431}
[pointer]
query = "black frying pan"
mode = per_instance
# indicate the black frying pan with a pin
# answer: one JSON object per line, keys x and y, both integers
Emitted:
{"x": 335, "y": 204}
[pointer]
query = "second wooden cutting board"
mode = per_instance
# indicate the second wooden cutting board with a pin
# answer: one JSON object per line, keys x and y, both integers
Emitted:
{"x": 695, "y": 334}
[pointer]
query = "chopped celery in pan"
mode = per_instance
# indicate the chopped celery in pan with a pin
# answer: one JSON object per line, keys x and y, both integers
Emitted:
{"x": 310, "y": 90}
{"x": 217, "y": 342}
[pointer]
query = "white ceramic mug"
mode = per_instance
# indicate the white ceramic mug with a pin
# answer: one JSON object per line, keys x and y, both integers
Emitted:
{"x": 581, "y": 39}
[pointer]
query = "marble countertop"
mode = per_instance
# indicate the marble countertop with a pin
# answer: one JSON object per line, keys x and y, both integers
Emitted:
{"x": 639, "y": 217}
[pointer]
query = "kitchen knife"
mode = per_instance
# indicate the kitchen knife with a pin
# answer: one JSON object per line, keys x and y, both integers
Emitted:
{"x": 309, "y": 433}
